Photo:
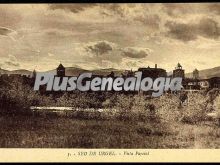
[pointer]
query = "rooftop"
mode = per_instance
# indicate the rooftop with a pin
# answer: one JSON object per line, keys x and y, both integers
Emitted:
{"x": 60, "y": 66}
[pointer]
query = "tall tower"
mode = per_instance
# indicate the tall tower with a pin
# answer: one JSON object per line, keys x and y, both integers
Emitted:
{"x": 60, "y": 70}
{"x": 178, "y": 71}
{"x": 195, "y": 74}
{"x": 34, "y": 74}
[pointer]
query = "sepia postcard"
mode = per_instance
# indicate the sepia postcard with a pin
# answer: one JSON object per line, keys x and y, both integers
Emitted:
{"x": 110, "y": 82}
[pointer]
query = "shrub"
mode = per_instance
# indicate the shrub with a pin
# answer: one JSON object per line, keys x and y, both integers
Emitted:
{"x": 195, "y": 110}
{"x": 17, "y": 98}
{"x": 217, "y": 105}
{"x": 144, "y": 108}
{"x": 110, "y": 100}
{"x": 167, "y": 107}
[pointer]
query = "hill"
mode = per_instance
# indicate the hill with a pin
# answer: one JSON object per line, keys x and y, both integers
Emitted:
{"x": 75, "y": 71}
{"x": 70, "y": 71}
{"x": 207, "y": 73}
{"x": 20, "y": 71}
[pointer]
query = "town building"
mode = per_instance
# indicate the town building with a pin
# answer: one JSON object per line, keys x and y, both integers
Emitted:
{"x": 214, "y": 82}
{"x": 204, "y": 84}
{"x": 179, "y": 71}
{"x": 153, "y": 72}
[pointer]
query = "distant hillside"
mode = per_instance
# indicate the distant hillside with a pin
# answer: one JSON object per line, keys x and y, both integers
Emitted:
{"x": 21, "y": 72}
{"x": 105, "y": 72}
{"x": 3, "y": 71}
{"x": 75, "y": 71}
{"x": 70, "y": 71}
{"x": 207, "y": 73}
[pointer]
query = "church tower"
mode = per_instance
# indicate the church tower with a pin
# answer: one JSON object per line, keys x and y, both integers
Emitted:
{"x": 195, "y": 74}
{"x": 179, "y": 71}
{"x": 60, "y": 70}
{"x": 34, "y": 74}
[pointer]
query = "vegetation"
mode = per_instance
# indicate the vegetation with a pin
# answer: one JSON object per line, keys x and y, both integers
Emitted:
{"x": 125, "y": 120}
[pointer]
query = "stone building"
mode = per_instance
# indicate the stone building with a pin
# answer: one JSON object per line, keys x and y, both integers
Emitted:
{"x": 153, "y": 72}
{"x": 179, "y": 71}
{"x": 60, "y": 70}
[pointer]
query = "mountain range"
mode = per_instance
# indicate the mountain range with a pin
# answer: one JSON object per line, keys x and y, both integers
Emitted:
{"x": 19, "y": 71}
{"x": 70, "y": 71}
{"x": 75, "y": 71}
{"x": 207, "y": 73}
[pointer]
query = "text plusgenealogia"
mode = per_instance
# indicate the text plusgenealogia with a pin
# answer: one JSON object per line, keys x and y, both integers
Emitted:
{"x": 86, "y": 82}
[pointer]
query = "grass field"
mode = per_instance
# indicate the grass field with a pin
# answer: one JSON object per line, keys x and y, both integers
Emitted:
{"x": 63, "y": 132}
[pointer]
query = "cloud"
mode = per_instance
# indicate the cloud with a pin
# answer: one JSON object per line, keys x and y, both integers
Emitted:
{"x": 130, "y": 14}
{"x": 100, "y": 52}
{"x": 176, "y": 10}
{"x": 100, "y": 48}
{"x": 113, "y": 9}
{"x": 8, "y": 33}
{"x": 11, "y": 61}
{"x": 180, "y": 31}
{"x": 206, "y": 27}
{"x": 50, "y": 54}
{"x": 150, "y": 20}
{"x": 5, "y": 31}
{"x": 135, "y": 52}
{"x": 103, "y": 48}
{"x": 9, "y": 16}
{"x": 181, "y": 10}
{"x": 214, "y": 7}
{"x": 55, "y": 29}
{"x": 209, "y": 28}
{"x": 107, "y": 54}
{"x": 75, "y": 8}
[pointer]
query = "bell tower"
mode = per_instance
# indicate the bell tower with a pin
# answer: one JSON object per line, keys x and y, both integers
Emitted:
{"x": 179, "y": 71}
{"x": 60, "y": 70}
{"x": 195, "y": 74}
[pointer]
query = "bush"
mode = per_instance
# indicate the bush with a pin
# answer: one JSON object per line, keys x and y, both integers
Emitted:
{"x": 17, "y": 98}
{"x": 195, "y": 110}
{"x": 110, "y": 100}
{"x": 167, "y": 107}
{"x": 217, "y": 105}
{"x": 144, "y": 108}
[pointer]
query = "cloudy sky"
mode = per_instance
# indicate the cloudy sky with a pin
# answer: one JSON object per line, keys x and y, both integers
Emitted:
{"x": 122, "y": 36}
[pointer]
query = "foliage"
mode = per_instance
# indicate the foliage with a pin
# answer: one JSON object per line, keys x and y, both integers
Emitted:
{"x": 195, "y": 110}
{"x": 17, "y": 97}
